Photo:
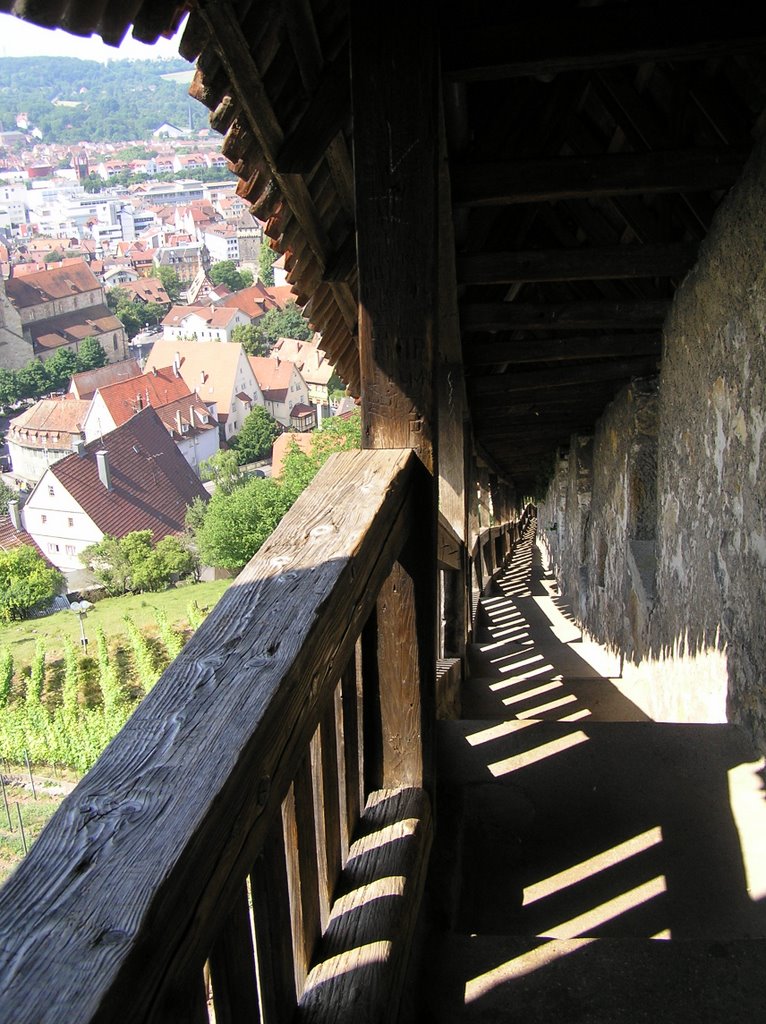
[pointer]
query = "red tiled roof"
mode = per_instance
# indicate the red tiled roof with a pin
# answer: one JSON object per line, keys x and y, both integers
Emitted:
{"x": 50, "y": 423}
{"x": 302, "y": 410}
{"x": 125, "y": 398}
{"x": 70, "y": 327}
{"x": 73, "y": 279}
{"x": 150, "y": 289}
{"x": 85, "y": 384}
{"x": 254, "y": 301}
{"x": 272, "y": 374}
{"x": 152, "y": 483}
{"x": 10, "y": 537}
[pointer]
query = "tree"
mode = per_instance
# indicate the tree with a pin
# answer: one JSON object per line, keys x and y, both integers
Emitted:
{"x": 60, "y": 367}
{"x": 91, "y": 354}
{"x": 93, "y": 183}
{"x": 247, "y": 278}
{"x": 132, "y": 564}
{"x": 252, "y": 339}
{"x": 26, "y": 580}
{"x": 258, "y": 434}
{"x": 223, "y": 467}
{"x": 32, "y": 380}
{"x": 171, "y": 282}
{"x": 6, "y": 494}
{"x": 237, "y": 524}
{"x": 266, "y": 260}
{"x": 284, "y": 323}
{"x": 226, "y": 272}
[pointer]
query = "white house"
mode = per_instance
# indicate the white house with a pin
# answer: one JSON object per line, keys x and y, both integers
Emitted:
{"x": 284, "y": 390}
{"x": 133, "y": 478}
{"x": 202, "y": 323}
{"x": 221, "y": 375}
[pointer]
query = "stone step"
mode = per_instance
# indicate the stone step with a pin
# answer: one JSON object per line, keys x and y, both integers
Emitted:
{"x": 506, "y": 980}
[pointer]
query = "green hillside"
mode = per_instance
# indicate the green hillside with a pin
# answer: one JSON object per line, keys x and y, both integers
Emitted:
{"x": 73, "y": 100}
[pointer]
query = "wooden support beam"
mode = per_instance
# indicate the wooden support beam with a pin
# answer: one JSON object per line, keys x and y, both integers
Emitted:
{"x": 395, "y": 93}
{"x": 638, "y": 314}
{"x": 324, "y": 117}
{"x": 579, "y": 177}
{"x": 544, "y": 350}
{"x": 508, "y": 383}
{"x": 601, "y": 38}
{"x": 605, "y": 263}
{"x": 234, "y": 53}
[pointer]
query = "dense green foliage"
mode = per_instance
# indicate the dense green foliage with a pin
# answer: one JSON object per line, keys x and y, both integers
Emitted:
{"x": 171, "y": 282}
{"x": 255, "y": 439}
{"x": 237, "y": 520}
{"x": 6, "y": 494}
{"x": 284, "y": 323}
{"x": 26, "y": 580}
{"x": 132, "y": 564}
{"x": 118, "y": 101}
{"x": 37, "y": 379}
{"x": 133, "y": 313}
{"x": 226, "y": 272}
{"x": 252, "y": 339}
{"x": 266, "y": 260}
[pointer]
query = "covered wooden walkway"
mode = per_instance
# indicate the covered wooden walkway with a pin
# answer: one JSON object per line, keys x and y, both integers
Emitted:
{"x": 589, "y": 864}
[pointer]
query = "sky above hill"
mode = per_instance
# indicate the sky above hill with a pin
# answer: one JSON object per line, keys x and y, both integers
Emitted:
{"x": 22, "y": 39}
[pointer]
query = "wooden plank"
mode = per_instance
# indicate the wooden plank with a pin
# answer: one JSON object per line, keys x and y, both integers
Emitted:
{"x": 273, "y": 930}
{"x": 324, "y": 117}
{"x": 328, "y": 743}
{"x": 611, "y": 262}
{"x": 528, "y": 380}
{"x": 601, "y": 38}
{"x": 351, "y": 749}
{"x": 571, "y": 316}
{"x": 301, "y": 840}
{"x": 361, "y": 965}
{"x": 232, "y": 968}
{"x": 579, "y": 177}
{"x": 449, "y": 549}
{"x": 548, "y": 350}
{"x": 131, "y": 879}
{"x": 394, "y": 99}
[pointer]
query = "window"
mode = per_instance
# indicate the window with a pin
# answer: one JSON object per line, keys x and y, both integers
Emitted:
{"x": 50, "y": 490}
{"x": 43, "y": 518}
{"x": 52, "y": 548}
{"x": 70, "y": 521}
{"x": 70, "y": 550}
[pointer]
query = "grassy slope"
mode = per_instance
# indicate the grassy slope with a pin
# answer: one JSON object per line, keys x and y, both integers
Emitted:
{"x": 20, "y": 637}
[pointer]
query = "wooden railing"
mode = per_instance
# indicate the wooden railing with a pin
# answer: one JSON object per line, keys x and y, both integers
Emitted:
{"x": 255, "y": 839}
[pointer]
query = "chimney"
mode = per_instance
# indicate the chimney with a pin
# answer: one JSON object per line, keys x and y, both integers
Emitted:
{"x": 13, "y": 512}
{"x": 202, "y": 376}
{"x": 104, "y": 471}
{"x": 154, "y": 371}
{"x": 80, "y": 448}
{"x": 179, "y": 422}
{"x": 177, "y": 364}
{"x": 191, "y": 416}
{"x": 139, "y": 402}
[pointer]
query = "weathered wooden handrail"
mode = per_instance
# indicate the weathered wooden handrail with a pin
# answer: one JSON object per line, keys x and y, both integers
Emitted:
{"x": 224, "y": 808}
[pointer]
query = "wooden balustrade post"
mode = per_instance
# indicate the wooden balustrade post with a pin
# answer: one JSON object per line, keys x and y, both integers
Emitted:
{"x": 394, "y": 87}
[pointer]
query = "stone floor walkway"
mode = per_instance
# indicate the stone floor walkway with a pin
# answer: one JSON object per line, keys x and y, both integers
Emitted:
{"x": 590, "y": 865}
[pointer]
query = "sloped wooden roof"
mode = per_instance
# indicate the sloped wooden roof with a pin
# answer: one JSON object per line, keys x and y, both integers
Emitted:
{"x": 589, "y": 147}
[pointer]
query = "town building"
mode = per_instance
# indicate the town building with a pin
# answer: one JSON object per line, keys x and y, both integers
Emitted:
{"x": 133, "y": 478}
{"x": 58, "y": 308}
{"x": 48, "y": 431}
{"x": 285, "y": 394}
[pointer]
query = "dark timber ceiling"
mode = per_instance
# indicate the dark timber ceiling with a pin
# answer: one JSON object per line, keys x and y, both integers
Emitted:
{"x": 589, "y": 146}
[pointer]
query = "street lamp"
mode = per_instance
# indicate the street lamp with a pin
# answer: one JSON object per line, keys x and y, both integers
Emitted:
{"x": 81, "y": 609}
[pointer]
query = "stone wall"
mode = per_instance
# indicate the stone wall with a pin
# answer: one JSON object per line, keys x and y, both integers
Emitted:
{"x": 660, "y": 524}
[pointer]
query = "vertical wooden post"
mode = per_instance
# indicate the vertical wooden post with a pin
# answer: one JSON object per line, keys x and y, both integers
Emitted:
{"x": 394, "y": 88}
